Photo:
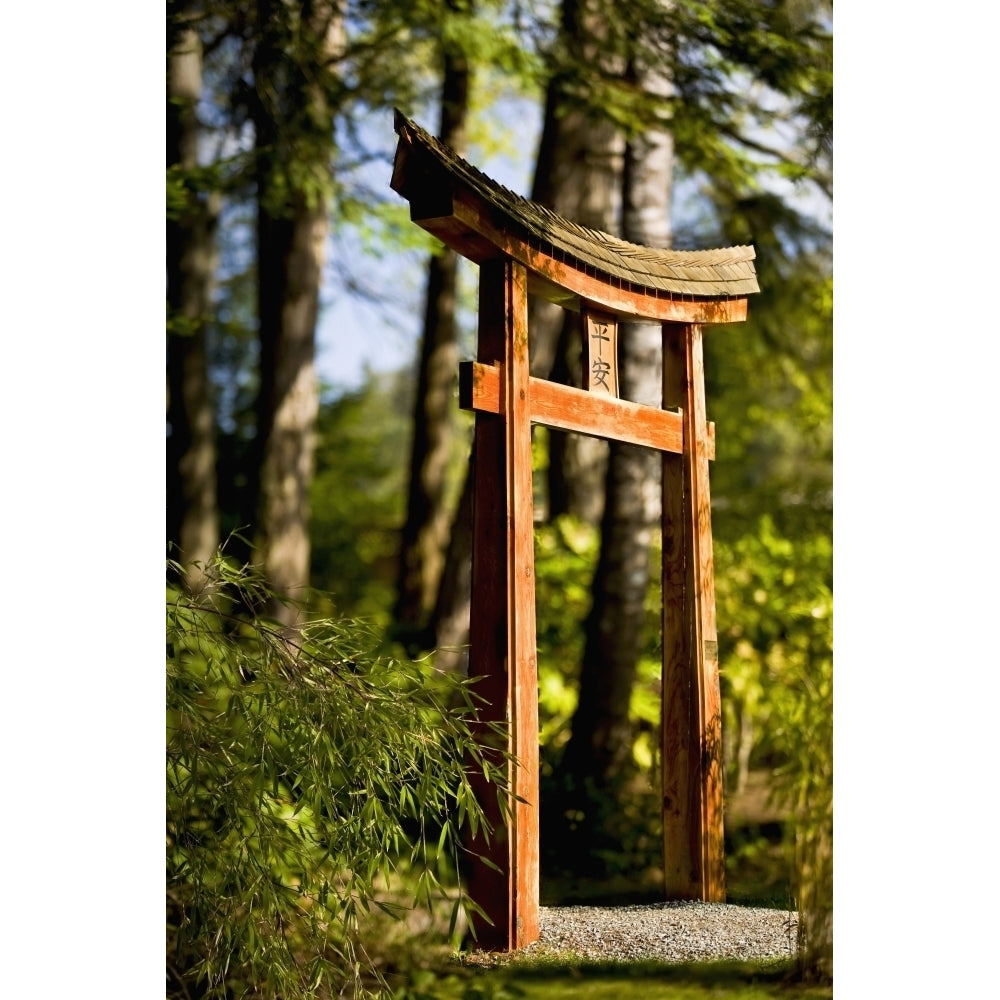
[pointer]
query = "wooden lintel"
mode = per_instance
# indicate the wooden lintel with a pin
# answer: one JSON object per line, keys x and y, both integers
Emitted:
{"x": 470, "y": 229}
{"x": 438, "y": 219}
{"x": 570, "y": 409}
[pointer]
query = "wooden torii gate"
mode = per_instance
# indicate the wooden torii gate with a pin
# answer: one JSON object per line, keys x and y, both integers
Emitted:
{"x": 523, "y": 248}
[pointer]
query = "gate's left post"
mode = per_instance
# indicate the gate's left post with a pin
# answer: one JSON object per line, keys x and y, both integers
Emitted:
{"x": 502, "y": 626}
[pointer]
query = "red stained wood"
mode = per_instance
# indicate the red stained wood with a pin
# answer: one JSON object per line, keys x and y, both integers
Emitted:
{"x": 490, "y": 887}
{"x": 502, "y": 637}
{"x": 694, "y": 862}
{"x": 506, "y": 400}
{"x": 521, "y": 600}
{"x": 468, "y": 226}
{"x": 573, "y": 409}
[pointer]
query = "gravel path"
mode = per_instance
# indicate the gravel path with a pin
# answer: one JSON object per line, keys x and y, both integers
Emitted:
{"x": 667, "y": 932}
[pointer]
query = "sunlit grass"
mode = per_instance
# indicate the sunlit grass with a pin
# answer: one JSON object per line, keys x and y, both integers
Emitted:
{"x": 552, "y": 979}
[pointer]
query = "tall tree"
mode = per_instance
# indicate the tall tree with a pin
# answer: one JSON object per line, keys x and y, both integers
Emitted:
{"x": 577, "y": 175}
{"x": 295, "y": 83}
{"x": 284, "y": 79}
{"x": 192, "y": 215}
{"x": 598, "y": 757}
{"x": 450, "y": 622}
{"x": 425, "y": 533}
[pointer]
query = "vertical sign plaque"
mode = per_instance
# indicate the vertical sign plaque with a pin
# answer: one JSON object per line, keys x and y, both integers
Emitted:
{"x": 600, "y": 353}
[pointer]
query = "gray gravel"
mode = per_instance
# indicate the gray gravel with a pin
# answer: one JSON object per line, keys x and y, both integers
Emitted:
{"x": 668, "y": 932}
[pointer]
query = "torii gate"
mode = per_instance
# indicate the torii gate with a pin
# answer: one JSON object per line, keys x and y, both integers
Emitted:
{"x": 522, "y": 247}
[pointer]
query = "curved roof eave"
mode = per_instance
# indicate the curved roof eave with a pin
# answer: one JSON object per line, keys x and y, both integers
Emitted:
{"x": 726, "y": 272}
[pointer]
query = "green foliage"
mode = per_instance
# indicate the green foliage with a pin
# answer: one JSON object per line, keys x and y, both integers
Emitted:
{"x": 358, "y": 494}
{"x": 565, "y": 558}
{"x": 776, "y": 598}
{"x": 384, "y": 227}
{"x": 803, "y": 734}
{"x": 566, "y": 552}
{"x": 484, "y": 32}
{"x": 745, "y": 73}
{"x": 560, "y": 976}
{"x": 359, "y": 491}
{"x": 775, "y": 605}
{"x": 744, "y": 87}
{"x": 805, "y": 730}
{"x": 304, "y": 776}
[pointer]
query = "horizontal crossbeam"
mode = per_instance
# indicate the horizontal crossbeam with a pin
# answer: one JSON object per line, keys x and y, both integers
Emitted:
{"x": 570, "y": 409}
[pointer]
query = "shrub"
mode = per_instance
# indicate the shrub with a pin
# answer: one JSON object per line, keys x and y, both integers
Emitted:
{"x": 304, "y": 771}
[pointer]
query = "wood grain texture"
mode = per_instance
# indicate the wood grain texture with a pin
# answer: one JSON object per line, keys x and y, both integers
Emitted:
{"x": 521, "y": 600}
{"x": 694, "y": 862}
{"x": 573, "y": 409}
{"x": 490, "y": 887}
{"x": 502, "y": 637}
{"x": 477, "y": 232}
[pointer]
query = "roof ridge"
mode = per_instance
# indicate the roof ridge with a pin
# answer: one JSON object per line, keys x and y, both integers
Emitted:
{"x": 721, "y": 271}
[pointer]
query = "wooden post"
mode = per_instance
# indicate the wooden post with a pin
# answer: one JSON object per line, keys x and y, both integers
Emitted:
{"x": 502, "y": 628}
{"x": 693, "y": 850}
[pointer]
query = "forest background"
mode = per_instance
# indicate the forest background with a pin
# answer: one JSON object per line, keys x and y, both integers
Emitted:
{"x": 118, "y": 504}
{"x": 687, "y": 124}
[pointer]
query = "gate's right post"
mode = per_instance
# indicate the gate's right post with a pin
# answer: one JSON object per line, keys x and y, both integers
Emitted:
{"x": 691, "y": 758}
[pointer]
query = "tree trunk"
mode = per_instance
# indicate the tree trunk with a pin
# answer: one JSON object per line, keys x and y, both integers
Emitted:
{"x": 192, "y": 509}
{"x": 425, "y": 532}
{"x": 577, "y": 465}
{"x": 452, "y": 613}
{"x": 290, "y": 259}
{"x": 578, "y": 175}
{"x": 598, "y": 758}
{"x": 294, "y": 130}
